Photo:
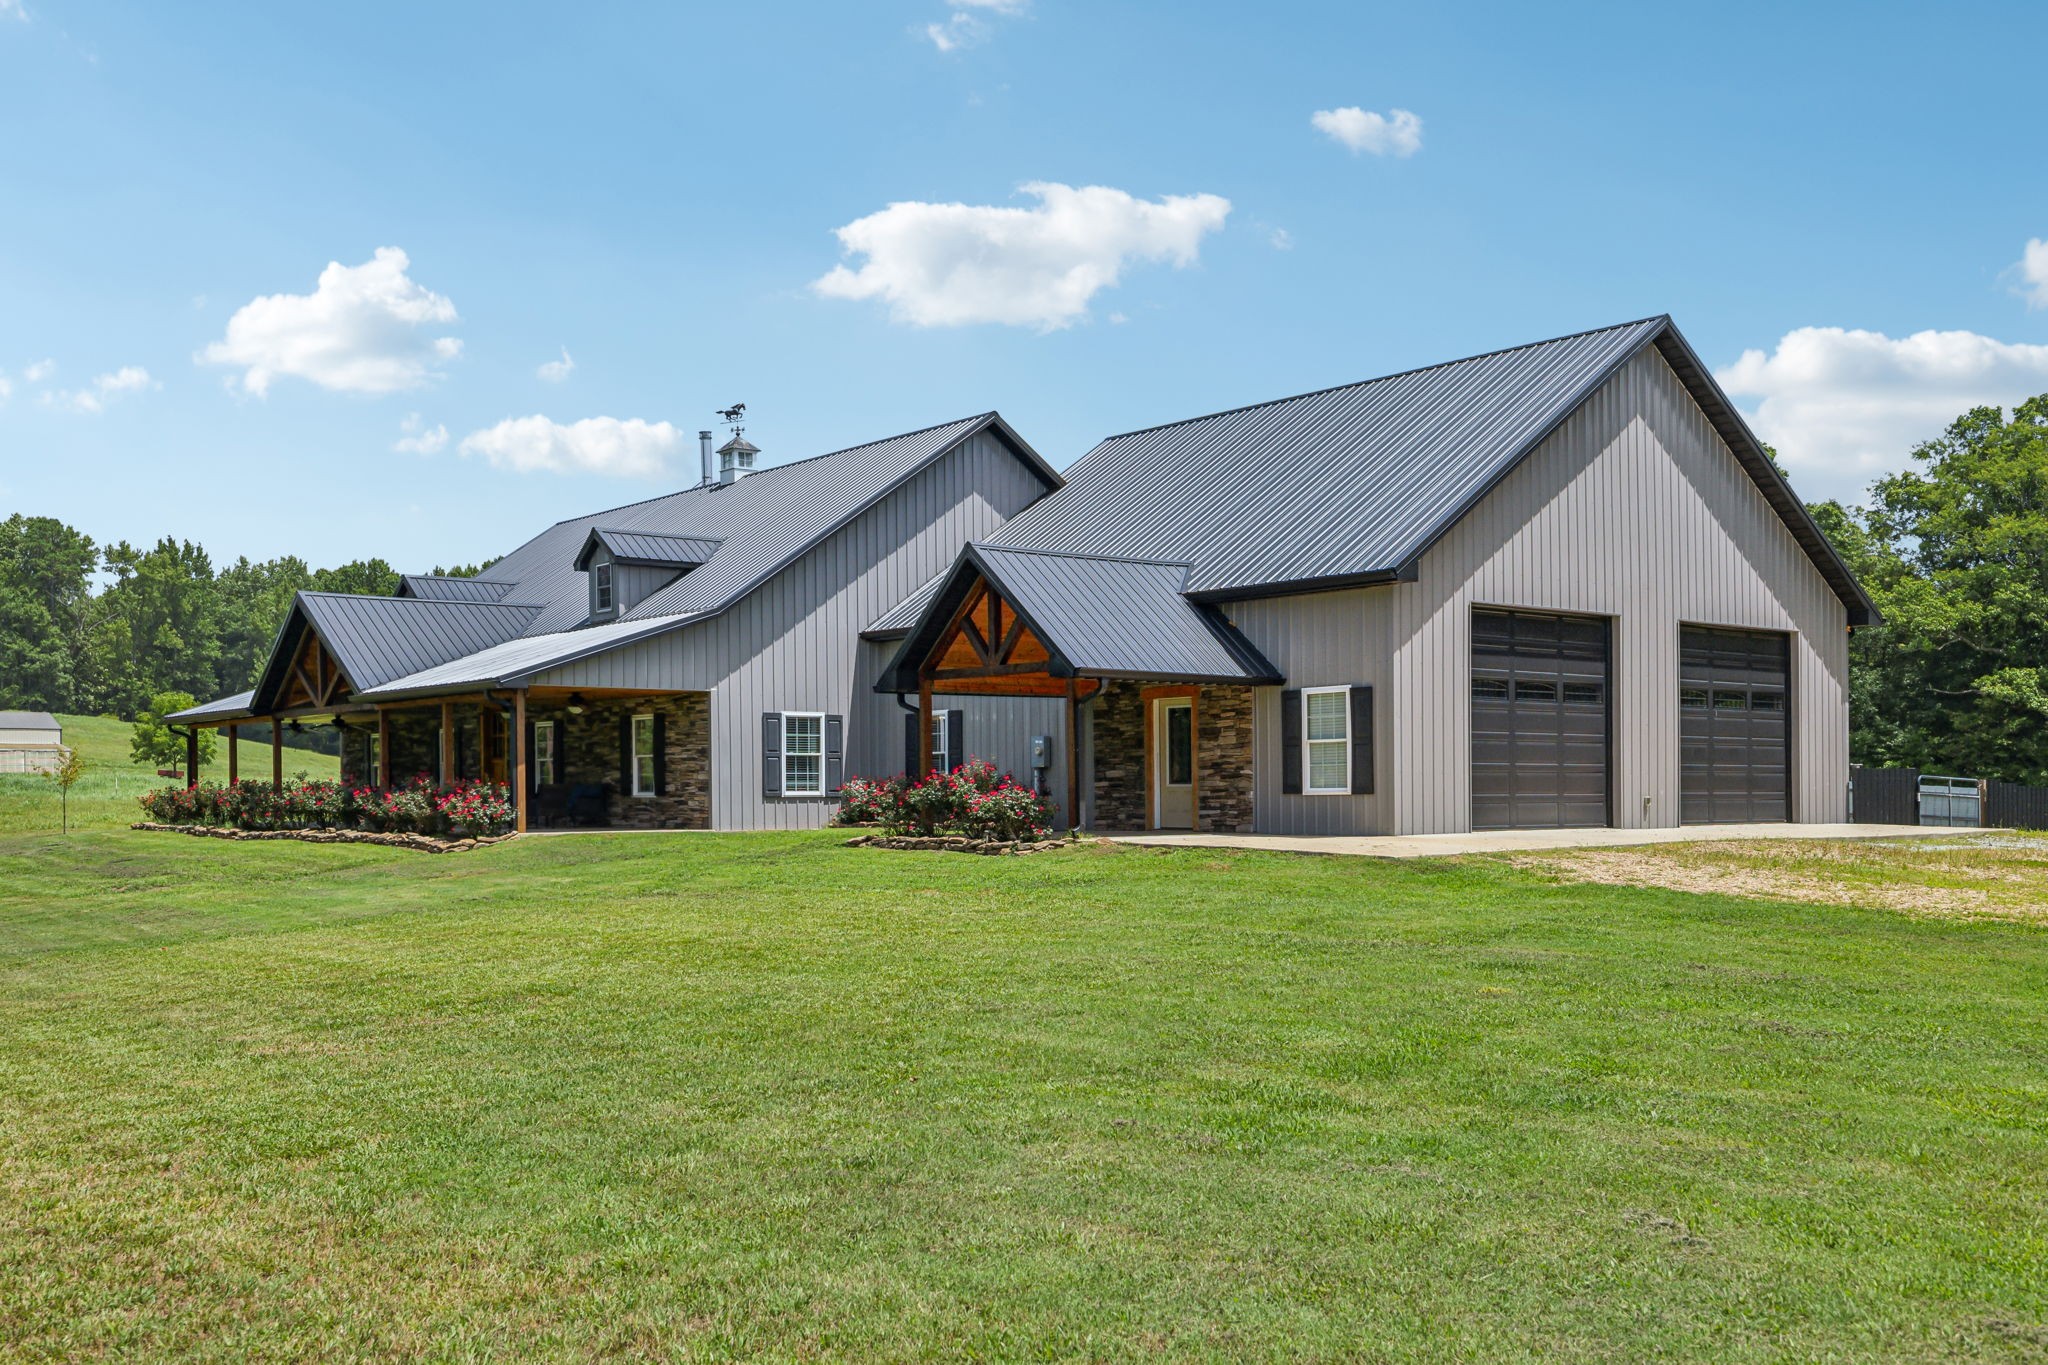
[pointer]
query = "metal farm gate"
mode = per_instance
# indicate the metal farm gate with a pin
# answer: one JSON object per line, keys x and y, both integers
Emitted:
{"x": 1951, "y": 801}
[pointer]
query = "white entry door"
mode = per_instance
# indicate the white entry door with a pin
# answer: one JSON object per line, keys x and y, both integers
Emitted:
{"x": 1173, "y": 764}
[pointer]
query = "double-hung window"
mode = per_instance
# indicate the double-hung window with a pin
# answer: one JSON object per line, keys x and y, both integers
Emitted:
{"x": 600, "y": 587}
{"x": 643, "y": 755}
{"x": 940, "y": 734}
{"x": 803, "y": 753}
{"x": 1326, "y": 734}
{"x": 543, "y": 753}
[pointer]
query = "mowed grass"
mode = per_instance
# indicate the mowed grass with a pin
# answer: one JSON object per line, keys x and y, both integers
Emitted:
{"x": 700, "y": 1097}
{"x": 105, "y": 797}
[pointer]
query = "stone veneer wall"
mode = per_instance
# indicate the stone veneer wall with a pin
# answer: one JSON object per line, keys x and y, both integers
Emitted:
{"x": 1223, "y": 758}
{"x": 588, "y": 746}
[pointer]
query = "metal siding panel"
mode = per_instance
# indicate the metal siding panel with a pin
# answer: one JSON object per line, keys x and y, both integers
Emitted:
{"x": 1633, "y": 509}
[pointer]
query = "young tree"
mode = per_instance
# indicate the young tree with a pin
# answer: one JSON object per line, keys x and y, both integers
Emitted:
{"x": 154, "y": 743}
{"x": 66, "y": 774}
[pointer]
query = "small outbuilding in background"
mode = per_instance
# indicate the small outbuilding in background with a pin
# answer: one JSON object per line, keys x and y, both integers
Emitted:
{"x": 30, "y": 742}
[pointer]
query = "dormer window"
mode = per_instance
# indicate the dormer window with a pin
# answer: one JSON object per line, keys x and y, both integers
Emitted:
{"x": 601, "y": 587}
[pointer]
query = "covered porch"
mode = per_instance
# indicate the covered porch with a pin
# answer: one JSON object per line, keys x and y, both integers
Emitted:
{"x": 1157, "y": 689}
{"x": 600, "y": 758}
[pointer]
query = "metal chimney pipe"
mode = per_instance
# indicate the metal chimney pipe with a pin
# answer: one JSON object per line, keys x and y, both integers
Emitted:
{"x": 704, "y": 457}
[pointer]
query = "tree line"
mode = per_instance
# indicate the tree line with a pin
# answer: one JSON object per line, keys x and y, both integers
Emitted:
{"x": 89, "y": 629}
{"x": 1954, "y": 551}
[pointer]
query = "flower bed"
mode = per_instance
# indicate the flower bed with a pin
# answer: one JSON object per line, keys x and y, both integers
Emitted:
{"x": 425, "y": 843}
{"x": 477, "y": 809}
{"x": 955, "y": 843}
{"x": 972, "y": 809}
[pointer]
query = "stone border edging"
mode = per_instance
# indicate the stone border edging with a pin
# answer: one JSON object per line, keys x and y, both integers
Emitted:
{"x": 423, "y": 843}
{"x": 955, "y": 843}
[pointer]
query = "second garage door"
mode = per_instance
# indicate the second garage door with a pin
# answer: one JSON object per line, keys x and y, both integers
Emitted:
{"x": 1732, "y": 714}
{"x": 1539, "y": 721}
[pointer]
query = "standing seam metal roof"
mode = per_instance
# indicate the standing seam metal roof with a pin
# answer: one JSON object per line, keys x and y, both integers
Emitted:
{"x": 1354, "y": 484}
{"x": 445, "y": 589}
{"x": 376, "y": 639}
{"x": 649, "y": 547}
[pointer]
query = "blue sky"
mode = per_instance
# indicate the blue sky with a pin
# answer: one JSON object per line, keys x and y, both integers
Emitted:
{"x": 1849, "y": 192}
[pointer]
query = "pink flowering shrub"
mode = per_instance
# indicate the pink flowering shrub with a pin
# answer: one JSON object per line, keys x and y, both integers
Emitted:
{"x": 418, "y": 807}
{"x": 974, "y": 799}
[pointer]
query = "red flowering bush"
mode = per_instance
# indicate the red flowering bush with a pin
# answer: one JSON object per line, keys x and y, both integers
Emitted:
{"x": 974, "y": 799}
{"x": 482, "y": 808}
{"x": 863, "y": 801}
{"x": 419, "y": 807}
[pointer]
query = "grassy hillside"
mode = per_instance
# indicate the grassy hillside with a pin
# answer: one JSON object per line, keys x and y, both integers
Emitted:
{"x": 707, "y": 1096}
{"x": 105, "y": 797}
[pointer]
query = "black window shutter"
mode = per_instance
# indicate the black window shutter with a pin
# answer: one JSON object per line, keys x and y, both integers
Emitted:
{"x": 660, "y": 754}
{"x": 956, "y": 739}
{"x": 1290, "y": 741}
{"x": 771, "y": 753}
{"x": 532, "y": 769}
{"x": 1361, "y": 741}
{"x": 910, "y": 747}
{"x": 835, "y": 753}
{"x": 625, "y": 755}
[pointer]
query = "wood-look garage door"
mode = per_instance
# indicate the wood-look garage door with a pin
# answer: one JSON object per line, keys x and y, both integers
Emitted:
{"x": 1733, "y": 726}
{"x": 1539, "y": 721}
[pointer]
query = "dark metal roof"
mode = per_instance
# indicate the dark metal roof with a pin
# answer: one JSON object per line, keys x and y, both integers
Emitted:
{"x": 223, "y": 708}
{"x": 746, "y": 532}
{"x": 376, "y": 639}
{"x": 762, "y": 523}
{"x": 1098, "y": 615}
{"x": 445, "y": 589}
{"x": 648, "y": 547}
{"x": 897, "y": 621}
{"x": 1353, "y": 484}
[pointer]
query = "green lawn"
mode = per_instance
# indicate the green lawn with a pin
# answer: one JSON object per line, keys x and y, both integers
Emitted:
{"x": 105, "y": 797}
{"x": 699, "y": 1097}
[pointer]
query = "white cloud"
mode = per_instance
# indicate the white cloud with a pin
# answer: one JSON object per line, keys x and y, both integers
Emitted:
{"x": 104, "y": 388}
{"x": 6, "y": 388}
{"x": 359, "y": 331}
{"x": 1843, "y": 407}
{"x": 13, "y": 9}
{"x": 555, "y": 371}
{"x": 2033, "y": 268}
{"x": 420, "y": 439}
{"x": 1397, "y": 133}
{"x": 631, "y": 449}
{"x": 948, "y": 265}
{"x": 38, "y": 372}
{"x": 968, "y": 24}
{"x": 1282, "y": 240}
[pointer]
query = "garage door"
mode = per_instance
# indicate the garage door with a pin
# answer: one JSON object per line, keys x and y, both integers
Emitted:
{"x": 1733, "y": 726}
{"x": 1539, "y": 721}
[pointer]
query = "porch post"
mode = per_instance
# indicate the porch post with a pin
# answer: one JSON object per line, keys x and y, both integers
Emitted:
{"x": 383, "y": 747}
{"x": 276, "y": 755}
{"x": 234, "y": 757}
{"x": 1073, "y": 754}
{"x": 447, "y": 743}
{"x": 518, "y": 743}
{"x": 924, "y": 730}
{"x": 191, "y": 757}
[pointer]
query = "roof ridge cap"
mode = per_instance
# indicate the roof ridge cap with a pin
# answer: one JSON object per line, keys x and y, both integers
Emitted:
{"x": 1383, "y": 378}
{"x": 1080, "y": 554}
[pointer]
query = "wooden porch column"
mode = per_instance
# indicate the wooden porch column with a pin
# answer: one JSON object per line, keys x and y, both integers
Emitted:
{"x": 447, "y": 743}
{"x": 191, "y": 757}
{"x": 924, "y": 730}
{"x": 276, "y": 754}
{"x": 383, "y": 776}
{"x": 234, "y": 756}
{"x": 518, "y": 746}
{"x": 1073, "y": 755}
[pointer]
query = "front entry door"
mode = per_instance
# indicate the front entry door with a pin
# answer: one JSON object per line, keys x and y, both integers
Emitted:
{"x": 1173, "y": 763}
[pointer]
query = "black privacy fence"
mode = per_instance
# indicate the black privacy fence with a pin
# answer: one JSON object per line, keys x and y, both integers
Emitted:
{"x": 1907, "y": 796}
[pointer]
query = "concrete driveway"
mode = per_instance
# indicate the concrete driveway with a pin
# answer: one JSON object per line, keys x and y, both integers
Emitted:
{"x": 1520, "y": 840}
